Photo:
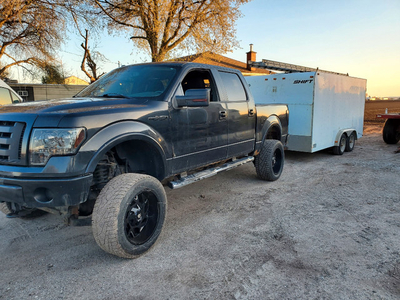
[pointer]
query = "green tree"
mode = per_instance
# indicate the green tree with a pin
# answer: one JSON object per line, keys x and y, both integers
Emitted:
{"x": 52, "y": 74}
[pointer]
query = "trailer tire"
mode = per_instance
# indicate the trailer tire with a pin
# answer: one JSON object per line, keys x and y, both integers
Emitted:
{"x": 129, "y": 214}
{"x": 339, "y": 150}
{"x": 350, "y": 142}
{"x": 269, "y": 163}
{"x": 391, "y": 131}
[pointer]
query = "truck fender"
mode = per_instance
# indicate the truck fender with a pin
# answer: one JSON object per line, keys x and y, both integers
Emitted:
{"x": 345, "y": 131}
{"x": 116, "y": 133}
{"x": 272, "y": 122}
{"x": 271, "y": 128}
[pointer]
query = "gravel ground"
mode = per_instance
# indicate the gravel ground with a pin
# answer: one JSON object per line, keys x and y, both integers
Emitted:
{"x": 329, "y": 228}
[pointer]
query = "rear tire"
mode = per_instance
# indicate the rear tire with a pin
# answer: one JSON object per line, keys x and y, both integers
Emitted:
{"x": 269, "y": 163}
{"x": 391, "y": 131}
{"x": 350, "y": 142}
{"x": 129, "y": 214}
{"x": 339, "y": 150}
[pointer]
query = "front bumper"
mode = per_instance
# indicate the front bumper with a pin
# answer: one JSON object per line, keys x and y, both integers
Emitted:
{"x": 45, "y": 192}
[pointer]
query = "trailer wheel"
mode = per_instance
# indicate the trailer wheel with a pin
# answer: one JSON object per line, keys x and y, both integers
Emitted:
{"x": 391, "y": 131}
{"x": 129, "y": 214}
{"x": 350, "y": 142}
{"x": 269, "y": 163}
{"x": 339, "y": 150}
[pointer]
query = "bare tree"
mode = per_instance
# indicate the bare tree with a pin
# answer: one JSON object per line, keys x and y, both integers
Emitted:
{"x": 89, "y": 60}
{"x": 162, "y": 26}
{"x": 30, "y": 31}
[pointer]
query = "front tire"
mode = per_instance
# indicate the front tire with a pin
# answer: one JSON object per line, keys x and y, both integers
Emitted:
{"x": 129, "y": 214}
{"x": 5, "y": 209}
{"x": 269, "y": 163}
{"x": 391, "y": 131}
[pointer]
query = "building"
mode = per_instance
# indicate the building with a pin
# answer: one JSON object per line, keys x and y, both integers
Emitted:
{"x": 223, "y": 61}
{"x": 73, "y": 80}
{"x": 39, "y": 92}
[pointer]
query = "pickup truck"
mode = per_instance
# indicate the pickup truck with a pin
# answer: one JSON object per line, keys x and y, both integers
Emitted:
{"x": 107, "y": 152}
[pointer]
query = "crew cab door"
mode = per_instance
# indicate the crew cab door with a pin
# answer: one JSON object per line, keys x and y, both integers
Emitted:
{"x": 241, "y": 115}
{"x": 200, "y": 132}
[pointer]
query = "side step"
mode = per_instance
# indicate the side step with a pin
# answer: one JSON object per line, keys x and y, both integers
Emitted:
{"x": 208, "y": 173}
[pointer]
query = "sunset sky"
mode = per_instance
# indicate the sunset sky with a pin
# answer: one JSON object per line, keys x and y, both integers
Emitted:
{"x": 359, "y": 37}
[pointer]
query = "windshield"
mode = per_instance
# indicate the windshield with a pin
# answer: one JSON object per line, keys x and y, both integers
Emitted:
{"x": 132, "y": 82}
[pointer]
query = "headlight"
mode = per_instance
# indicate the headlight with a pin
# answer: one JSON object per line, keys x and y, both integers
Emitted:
{"x": 45, "y": 143}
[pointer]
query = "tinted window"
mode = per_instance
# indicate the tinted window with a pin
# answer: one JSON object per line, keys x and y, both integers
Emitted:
{"x": 233, "y": 86}
{"x": 5, "y": 97}
{"x": 200, "y": 79}
{"x": 132, "y": 82}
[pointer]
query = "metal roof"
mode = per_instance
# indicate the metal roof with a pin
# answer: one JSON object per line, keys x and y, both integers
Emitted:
{"x": 285, "y": 67}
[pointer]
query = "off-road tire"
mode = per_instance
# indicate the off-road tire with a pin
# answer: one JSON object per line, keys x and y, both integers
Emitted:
{"x": 5, "y": 209}
{"x": 339, "y": 150}
{"x": 269, "y": 162}
{"x": 391, "y": 131}
{"x": 350, "y": 142}
{"x": 125, "y": 202}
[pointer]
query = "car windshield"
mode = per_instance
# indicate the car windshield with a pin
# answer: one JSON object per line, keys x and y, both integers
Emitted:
{"x": 137, "y": 81}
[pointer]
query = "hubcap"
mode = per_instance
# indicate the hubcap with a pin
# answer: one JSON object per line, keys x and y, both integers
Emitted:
{"x": 342, "y": 144}
{"x": 141, "y": 218}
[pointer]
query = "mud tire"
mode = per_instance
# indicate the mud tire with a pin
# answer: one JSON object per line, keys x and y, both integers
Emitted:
{"x": 269, "y": 163}
{"x": 125, "y": 204}
{"x": 4, "y": 208}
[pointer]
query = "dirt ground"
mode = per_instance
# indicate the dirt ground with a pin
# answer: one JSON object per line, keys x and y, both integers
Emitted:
{"x": 329, "y": 228}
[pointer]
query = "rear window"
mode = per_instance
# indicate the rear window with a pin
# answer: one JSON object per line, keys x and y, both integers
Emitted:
{"x": 233, "y": 86}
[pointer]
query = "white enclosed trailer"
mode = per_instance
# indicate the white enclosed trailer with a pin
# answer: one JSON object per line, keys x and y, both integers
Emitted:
{"x": 325, "y": 109}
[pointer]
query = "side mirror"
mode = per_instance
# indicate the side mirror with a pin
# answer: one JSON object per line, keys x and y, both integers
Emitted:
{"x": 194, "y": 98}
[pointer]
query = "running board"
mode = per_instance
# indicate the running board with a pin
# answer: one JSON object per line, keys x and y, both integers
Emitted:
{"x": 208, "y": 173}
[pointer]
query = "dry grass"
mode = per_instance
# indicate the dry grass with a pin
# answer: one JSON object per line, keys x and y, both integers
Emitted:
{"x": 372, "y": 108}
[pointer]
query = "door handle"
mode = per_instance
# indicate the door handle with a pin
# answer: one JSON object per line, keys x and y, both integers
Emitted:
{"x": 222, "y": 114}
{"x": 251, "y": 112}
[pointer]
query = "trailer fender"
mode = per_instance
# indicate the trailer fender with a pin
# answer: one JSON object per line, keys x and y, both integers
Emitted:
{"x": 347, "y": 132}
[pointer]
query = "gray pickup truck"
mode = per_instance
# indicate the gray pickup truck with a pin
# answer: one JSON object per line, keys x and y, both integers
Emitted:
{"x": 108, "y": 151}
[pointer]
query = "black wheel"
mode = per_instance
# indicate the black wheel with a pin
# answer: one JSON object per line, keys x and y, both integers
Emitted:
{"x": 350, "y": 142}
{"x": 129, "y": 214}
{"x": 5, "y": 209}
{"x": 339, "y": 150}
{"x": 391, "y": 131}
{"x": 269, "y": 163}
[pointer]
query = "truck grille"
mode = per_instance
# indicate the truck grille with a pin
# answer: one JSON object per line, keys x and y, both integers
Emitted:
{"x": 11, "y": 135}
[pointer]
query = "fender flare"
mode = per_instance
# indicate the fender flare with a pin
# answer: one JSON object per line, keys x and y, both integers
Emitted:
{"x": 114, "y": 134}
{"x": 345, "y": 131}
{"x": 270, "y": 122}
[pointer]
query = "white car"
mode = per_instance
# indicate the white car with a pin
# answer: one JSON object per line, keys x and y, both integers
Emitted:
{"x": 8, "y": 95}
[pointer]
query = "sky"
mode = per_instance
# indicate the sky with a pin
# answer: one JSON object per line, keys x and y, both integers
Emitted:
{"x": 359, "y": 37}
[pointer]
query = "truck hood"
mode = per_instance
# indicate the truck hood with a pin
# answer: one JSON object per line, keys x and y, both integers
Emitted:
{"x": 70, "y": 105}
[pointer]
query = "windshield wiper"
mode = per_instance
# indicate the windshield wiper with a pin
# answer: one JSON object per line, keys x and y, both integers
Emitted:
{"x": 113, "y": 95}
